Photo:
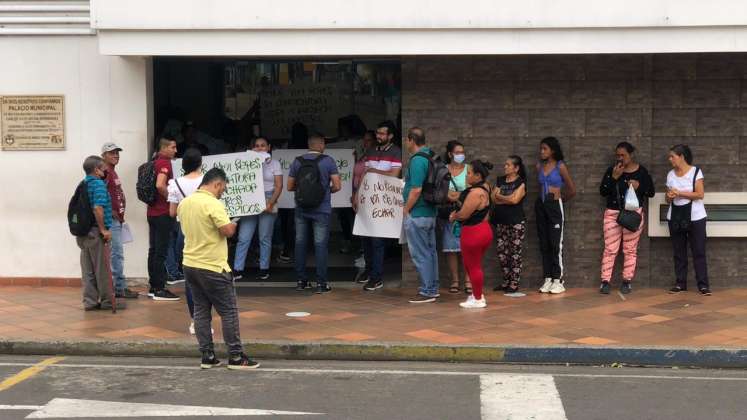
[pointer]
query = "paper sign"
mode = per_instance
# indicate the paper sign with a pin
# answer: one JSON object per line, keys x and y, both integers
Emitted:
{"x": 245, "y": 193}
{"x": 126, "y": 234}
{"x": 380, "y": 205}
{"x": 345, "y": 163}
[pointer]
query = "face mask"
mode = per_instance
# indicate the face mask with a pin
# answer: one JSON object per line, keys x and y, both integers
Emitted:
{"x": 264, "y": 156}
{"x": 104, "y": 174}
{"x": 459, "y": 158}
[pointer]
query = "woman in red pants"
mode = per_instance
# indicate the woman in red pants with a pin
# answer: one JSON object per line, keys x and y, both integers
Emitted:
{"x": 476, "y": 234}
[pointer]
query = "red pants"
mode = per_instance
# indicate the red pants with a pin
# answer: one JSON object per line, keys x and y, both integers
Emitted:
{"x": 475, "y": 241}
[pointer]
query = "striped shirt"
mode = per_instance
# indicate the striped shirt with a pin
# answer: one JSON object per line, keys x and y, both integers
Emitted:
{"x": 384, "y": 158}
{"x": 99, "y": 197}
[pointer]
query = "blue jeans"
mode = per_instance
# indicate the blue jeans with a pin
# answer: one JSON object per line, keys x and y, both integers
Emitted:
{"x": 421, "y": 241}
{"x": 248, "y": 226}
{"x": 320, "y": 227}
{"x": 174, "y": 253}
{"x": 117, "y": 256}
{"x": 373, "y": 252}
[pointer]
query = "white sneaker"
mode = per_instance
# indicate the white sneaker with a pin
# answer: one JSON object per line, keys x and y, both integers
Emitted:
{"x": 546, "y": 287}
{"x": 472, "y": 303}
{"x": 557, "y": 287}
{"x": 192, "y": 328}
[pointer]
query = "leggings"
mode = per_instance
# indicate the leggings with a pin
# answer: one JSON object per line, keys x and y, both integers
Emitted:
{"x": 474, "y": 241}
{"x": 510, "y": 244}
{"x": 613, "y": 233}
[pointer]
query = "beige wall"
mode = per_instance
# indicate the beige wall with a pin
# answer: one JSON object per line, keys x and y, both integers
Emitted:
{"x": 105, "y": 100}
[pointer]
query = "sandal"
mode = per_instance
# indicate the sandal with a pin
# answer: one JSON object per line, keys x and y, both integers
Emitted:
{"x": 501, "y": 287}
{"x": 513, "y": 287}
{"x": 468, "y": 288}
{"x": 454, "y": 288}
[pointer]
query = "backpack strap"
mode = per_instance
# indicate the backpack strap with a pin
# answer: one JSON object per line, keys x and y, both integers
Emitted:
{"x": 180, "y": 188}
{"x": 695, "y": 177}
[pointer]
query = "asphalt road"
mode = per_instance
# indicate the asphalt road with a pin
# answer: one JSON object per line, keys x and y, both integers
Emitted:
{"x": 142, "y": 388}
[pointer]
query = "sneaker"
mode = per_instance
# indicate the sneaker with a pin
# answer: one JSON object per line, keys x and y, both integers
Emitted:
{"x": 322, "y": 288}
{"x": 242, "y": 363}
{"x": 422, "y": 299}
{"x": 238, "y": 275}
{"x": 546, "y": 286}
{"x": 165, "y": 294}
{"x": 127, "y": 294}
{"x": 192, "y": 328}
{"x": 209, "y": 360}
{"x": 705, "y": 291}
{"x": 151, "y": 292}
{"x": 372, "y": 285}
{"x": 302, "y": 285}
{"x": 677, "y": 289}
{"x": 472, "y": 303}
{"x": 172, "y": 280}
{"x": 361, "y": 277}
{"x": 626, "y": 287}
{"x": 557, "y": 287}
{"x": 284, "y": 258}
{"x": 604, "y": 288}
{"x": 263, "y": 275}
{"x": 108, "y": 305}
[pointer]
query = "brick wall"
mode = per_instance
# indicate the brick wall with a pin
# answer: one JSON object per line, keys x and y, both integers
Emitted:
{"x": 498, "y": 105}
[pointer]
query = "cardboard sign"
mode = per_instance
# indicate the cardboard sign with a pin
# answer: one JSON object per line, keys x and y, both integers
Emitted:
{"x": 245, "y": 193}
{"x": 345, "y": 164}
{"x": 380, "y": 205}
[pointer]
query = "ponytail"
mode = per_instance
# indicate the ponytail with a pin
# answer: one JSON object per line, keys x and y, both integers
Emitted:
{"x": 516, "y": 160}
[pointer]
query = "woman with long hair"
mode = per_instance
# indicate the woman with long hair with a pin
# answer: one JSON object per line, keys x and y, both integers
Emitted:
{"x": 454, "y": 159}
{"x": 687, "y": 218}
{"x": 510, "y": 222}
{"x": 476, "y": 234}
{"x": 556, "y": 187}
{"x": 626, "y": 173}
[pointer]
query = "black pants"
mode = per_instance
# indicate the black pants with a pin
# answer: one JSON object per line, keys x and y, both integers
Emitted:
{"x": 374, "y": 250}
{"x": 346, "y": 215}
{"x": 288, "y": 230}
{"x": 550, "y": 219}
{"x": 159, "y": 232}
{"x": 696, "y": 236}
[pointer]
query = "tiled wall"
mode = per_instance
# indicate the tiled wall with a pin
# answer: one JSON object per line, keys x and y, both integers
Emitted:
{"x": 499, "y": 105}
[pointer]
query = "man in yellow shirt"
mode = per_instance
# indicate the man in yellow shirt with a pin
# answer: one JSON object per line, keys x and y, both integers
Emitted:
{"x": 206, "y": 226}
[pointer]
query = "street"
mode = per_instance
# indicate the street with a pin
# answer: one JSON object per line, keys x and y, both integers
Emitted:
{"x": 94, "y": 387}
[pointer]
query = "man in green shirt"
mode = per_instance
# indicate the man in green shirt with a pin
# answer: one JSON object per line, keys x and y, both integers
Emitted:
{"x": 420, "y": 218}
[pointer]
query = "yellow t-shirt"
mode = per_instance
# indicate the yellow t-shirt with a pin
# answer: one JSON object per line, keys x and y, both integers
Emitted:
{"x": 201, "y": 215}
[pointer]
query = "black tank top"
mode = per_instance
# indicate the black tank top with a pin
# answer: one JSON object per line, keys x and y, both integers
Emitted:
{"x": 479, "y": 215}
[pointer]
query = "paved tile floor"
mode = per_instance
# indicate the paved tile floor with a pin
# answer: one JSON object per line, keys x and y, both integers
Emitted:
{"x": 648, "y": 317}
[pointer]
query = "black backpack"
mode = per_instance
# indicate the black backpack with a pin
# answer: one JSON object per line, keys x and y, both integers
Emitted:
{"x": 436, "y": 185}
{"x": 146, "y": 182}
{"x": 309, "y": 189}
{"x": 80, "y": 217}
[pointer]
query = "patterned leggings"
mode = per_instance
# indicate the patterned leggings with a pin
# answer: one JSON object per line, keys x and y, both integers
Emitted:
{"x": 613, "y": 234}
{"x": 510, "y": 243}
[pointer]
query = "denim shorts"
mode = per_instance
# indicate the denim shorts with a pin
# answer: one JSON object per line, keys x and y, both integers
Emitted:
{"x": 450, "y": 242}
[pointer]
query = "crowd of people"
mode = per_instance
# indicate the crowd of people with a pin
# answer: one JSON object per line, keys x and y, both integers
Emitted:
{"x": 189, "y": 226}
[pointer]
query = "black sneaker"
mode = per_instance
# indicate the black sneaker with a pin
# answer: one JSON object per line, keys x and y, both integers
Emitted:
{"x": 604, "y": 288}
{"x": 242, "y": 363}
{"x": 676, "y": 289}
{"x": 361, "y": 277}
{"x": 127, "y": 294}
{"x": 322, "y": 288}
{"x": 165, "y": 294}
{"x": 209, "y": 360}
{"x": 626, "y": 287}
{"x": 238, "y": 275}
{"x": 302, "y": 285}
{"x": 284, "y": 258}
{"x": 172, "y": 280}
{"x": 372, "y": 285}
{"x": 263, "y": 275}
{"x": 151, "y": 292}
{"x": 705, "y": 291}
{"x": 422, "y": 299}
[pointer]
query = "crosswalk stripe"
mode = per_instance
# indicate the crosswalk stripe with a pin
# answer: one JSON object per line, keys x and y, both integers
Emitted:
{"x": 520, "y": 397}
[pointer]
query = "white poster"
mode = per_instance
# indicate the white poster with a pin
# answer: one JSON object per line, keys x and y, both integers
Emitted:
{"x": 245, "y": 192}
{"x": 380, "y": 205}
{"x": 345, "y": 163}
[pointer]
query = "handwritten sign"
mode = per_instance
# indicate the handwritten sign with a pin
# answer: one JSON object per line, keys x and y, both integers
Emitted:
{"x": 316, "y": 105}
{"x": 345, "y": 163}
{"x": 32, "y": 122}
{"x": 245, "y": 192}
{"x": 380, "y": 205}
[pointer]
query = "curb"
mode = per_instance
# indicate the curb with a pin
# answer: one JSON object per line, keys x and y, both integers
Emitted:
{"x": 579, "y": 355}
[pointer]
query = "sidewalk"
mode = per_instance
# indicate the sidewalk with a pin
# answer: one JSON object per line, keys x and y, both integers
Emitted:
{"x": 577, "y": 320}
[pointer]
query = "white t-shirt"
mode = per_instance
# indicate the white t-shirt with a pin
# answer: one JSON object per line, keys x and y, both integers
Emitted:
{"x": 270, "y": 169}
{"x": 188, "y": 185}
{"x": 685, "y": 184}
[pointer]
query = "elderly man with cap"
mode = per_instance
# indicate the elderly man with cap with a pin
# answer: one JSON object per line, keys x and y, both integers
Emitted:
{"x": 110, "y": 154}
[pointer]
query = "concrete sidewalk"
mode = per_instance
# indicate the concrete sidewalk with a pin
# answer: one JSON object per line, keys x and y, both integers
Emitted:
{"x": 648, "y": 327}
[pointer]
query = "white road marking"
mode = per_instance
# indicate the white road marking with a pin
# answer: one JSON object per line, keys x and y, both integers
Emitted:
{"x": 381, "y": 372}
{"x": 64, "y": 408}
{"x": 520, "y": 397}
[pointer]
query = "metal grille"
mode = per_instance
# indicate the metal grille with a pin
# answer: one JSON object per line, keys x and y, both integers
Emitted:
{"x": 50, "y": 17}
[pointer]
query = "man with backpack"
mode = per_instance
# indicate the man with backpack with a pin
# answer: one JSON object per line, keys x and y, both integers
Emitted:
{"x": 314, "y": 178}
{"x": 90, "y": 219}
{"x": 160, "y": 224}
{"x": 419, "y": 214}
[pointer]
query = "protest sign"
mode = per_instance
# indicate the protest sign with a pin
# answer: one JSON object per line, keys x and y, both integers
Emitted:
{"x": 245, "y": 192}
{"x": 345, "y": 162}
{"x": 380, "y": 205}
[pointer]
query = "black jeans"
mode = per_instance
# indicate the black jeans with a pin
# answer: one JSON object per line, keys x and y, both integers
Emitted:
{"x": 550, "y": 219}
{"x": 214, "y": 290}
{"x": 373, "y": 252}
{"x": 696, "y": 236}
{"x": 159, "y": 233}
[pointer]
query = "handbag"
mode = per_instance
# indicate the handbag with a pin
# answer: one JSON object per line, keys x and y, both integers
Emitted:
{"x": 629, "y": 220}
{"x": 680, "y": 219}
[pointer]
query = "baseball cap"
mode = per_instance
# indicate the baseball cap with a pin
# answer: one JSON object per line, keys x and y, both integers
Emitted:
{"x": 110, "y": 147}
